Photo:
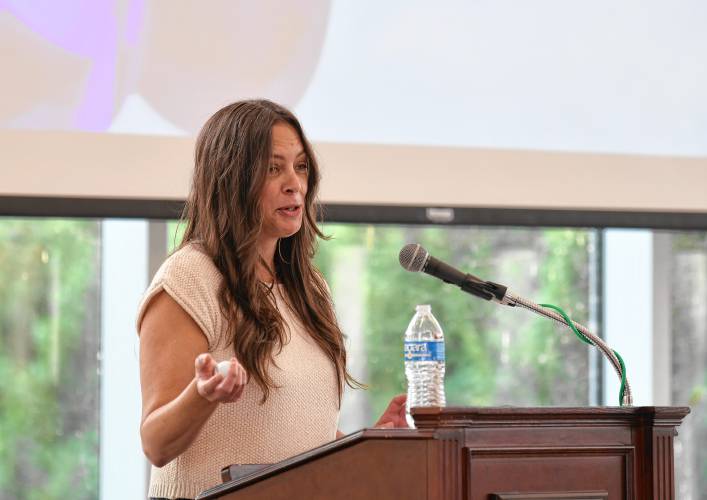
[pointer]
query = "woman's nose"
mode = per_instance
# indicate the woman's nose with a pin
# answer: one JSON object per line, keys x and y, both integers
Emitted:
{"x": 291, "y": 182}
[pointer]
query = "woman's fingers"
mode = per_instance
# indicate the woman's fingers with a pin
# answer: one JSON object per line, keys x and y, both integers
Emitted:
{"x": 214, "y": 386}
{"x": 207, "y": 388}
{"x": 394, "y": 415}
{"x": 204, "y": 366}
{"x": 400, "y": 398}
{"x": 241, "y": 381}
{"x": 236, "y": 394}
{"x": 398, "y": 401}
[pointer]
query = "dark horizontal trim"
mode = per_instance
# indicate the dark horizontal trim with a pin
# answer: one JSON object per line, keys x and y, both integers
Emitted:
{"x": 98, "y": 208}
{"x": 25, "y": 206}
{"x": 468, "y": 216}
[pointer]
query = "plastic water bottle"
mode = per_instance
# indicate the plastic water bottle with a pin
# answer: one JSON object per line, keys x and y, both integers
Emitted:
{"x": 424, "y": 361}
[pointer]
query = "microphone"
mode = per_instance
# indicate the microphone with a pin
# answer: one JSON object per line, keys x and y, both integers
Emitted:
{"x": 415, "y": 258}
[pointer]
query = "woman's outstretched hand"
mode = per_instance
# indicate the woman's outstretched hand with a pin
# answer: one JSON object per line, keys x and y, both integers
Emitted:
{"x": 213, "y": 386}
{"x": 394, "y": 415}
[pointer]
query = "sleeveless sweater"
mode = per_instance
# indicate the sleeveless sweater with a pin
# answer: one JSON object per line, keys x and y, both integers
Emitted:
{"x": 301, "y": 413}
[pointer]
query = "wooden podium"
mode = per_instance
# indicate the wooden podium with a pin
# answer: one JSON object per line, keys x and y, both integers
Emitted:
{"x": 483, "y": 454}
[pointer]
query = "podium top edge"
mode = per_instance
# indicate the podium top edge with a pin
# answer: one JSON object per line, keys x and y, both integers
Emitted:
{"x": 461, "y": 416}
{"x": 553, "y": 409}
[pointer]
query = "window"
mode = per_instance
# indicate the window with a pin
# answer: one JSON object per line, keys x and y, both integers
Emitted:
{"x": 688, "y": 371}
{"x": 49, "y": 344}
{"x": 495, "y": 355}
{"x": 69, "y": 419}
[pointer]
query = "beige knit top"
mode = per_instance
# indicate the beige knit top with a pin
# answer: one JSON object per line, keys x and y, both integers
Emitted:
{"x": 301, "y": 414}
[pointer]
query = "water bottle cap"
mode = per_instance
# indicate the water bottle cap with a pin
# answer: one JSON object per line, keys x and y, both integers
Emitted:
{"x": 423, "y": 308}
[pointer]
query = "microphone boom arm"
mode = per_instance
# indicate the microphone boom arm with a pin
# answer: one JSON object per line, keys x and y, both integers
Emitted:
{"x": 627, "y": 396}
{"x": 499, "y": 293}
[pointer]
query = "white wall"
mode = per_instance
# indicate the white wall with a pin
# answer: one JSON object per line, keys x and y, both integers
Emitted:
{"x": 124, "y": 269}
{"x": 112, "y": 165}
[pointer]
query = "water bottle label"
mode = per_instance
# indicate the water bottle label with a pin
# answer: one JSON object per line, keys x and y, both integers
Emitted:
{"x": 424, "y": 351}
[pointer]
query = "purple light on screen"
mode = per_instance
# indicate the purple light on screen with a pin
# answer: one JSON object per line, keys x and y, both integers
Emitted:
{"x": 87, "y": 28}
{"x": 134, "y": 22}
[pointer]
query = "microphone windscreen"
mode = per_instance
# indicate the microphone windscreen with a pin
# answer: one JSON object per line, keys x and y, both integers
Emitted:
{"x": 413, "y": 257}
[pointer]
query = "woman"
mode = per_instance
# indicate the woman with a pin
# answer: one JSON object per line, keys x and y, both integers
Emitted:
{"x": 242, "y": 287}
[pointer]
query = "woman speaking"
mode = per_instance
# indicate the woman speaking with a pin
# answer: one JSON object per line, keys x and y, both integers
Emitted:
{"x": 242, "y": 288}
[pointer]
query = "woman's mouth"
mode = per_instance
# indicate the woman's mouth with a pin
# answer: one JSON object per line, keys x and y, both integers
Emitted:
{"x": 290, "y": 211}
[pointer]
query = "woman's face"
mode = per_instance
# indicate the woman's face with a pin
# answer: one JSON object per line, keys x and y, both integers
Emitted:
{"x": 283, "y": 194}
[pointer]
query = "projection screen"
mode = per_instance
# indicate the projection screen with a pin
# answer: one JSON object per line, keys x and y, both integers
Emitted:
{"x": 546, "y": 104}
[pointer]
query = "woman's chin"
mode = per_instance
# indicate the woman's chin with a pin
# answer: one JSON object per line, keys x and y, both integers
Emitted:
{"x": 291, "y": 232}
{"x": 287, "y": 230}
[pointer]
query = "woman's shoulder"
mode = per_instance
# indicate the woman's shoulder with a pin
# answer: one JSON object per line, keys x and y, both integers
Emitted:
{"x": 190, "y": 262}
{"x": 191, "y": 278}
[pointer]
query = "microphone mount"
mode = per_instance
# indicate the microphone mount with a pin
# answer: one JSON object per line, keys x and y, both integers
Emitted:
{"x": 487, "y": 290}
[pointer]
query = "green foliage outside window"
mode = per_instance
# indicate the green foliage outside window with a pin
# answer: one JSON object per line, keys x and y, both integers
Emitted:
{"x": 49, "y": 332}
{"x": 49, "y": 336}
{"x": 495, "y": 355}
{"x": 689, "y": 358}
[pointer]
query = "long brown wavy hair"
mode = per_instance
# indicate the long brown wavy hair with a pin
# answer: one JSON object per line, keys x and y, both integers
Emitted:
{"x": 222, "y": 213}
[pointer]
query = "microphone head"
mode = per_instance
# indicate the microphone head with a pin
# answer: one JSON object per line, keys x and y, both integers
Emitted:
{"x": 413, "y": 257}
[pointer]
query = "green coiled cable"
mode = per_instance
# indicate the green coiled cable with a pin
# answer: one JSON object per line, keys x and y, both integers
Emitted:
{"x": 584, "y": 339}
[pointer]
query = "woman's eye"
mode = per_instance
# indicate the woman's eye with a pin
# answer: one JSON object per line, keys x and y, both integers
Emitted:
{"x": 303, "y": 167}
{"x": 273, "y": 169}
